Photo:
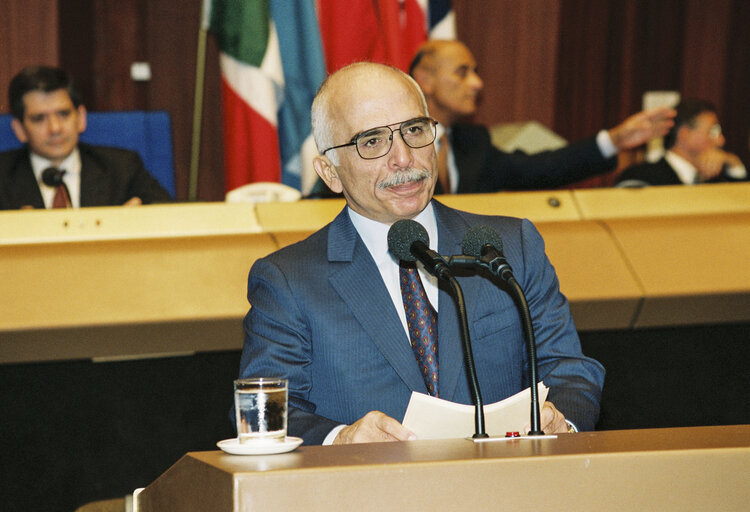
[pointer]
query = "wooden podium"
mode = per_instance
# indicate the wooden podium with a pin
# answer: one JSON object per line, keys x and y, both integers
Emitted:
{"x": 697, "y": 468}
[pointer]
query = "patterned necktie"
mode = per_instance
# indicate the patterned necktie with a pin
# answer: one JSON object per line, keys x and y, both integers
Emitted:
{"x": 421, "y": 319}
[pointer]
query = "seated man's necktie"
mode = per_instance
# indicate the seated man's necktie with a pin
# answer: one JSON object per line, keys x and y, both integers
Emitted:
{"x": 54, "y": 178}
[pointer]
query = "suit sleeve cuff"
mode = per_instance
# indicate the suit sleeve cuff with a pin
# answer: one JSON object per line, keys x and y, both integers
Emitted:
{"x": 572, "y": 429}
{"x": 606, "y": 146}
{"x": 332, "y": 435}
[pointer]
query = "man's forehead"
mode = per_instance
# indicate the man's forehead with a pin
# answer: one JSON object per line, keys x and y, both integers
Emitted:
{"x": 41, "y": 99}
{"x": 389, "y": 104}
{"x": 455, "y": 56}
{"x": 707, "y": 118}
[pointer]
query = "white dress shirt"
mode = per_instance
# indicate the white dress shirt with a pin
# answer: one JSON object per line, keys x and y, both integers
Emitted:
{"x": 375, "y": 236}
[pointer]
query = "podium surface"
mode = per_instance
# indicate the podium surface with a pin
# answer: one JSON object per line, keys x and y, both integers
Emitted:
{"x": 697, "y": 468}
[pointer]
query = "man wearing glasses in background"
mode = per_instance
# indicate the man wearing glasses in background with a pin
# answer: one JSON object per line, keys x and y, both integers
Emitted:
{"x": 329, "y": 313}
{"x": 694, "y": 152}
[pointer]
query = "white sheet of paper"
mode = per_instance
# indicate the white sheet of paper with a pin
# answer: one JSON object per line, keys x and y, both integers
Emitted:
{"x": 433, "y": 418}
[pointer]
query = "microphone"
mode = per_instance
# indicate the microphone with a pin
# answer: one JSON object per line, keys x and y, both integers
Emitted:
{"x": 52, "y": 176}
{"x": 485, "y": 244}
{"x": 408, "y": 241}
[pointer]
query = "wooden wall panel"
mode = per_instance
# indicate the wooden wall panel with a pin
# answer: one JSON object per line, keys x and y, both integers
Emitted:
{"x": 705, "y": 48}
{"x": 28, "y": 36}
{"x": 515, "y": 44}
{"x": 172, "y": 43}
{"x": 735, "y": 114}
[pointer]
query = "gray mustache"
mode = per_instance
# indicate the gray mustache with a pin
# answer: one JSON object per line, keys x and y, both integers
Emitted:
{"x": 405, "y": 176}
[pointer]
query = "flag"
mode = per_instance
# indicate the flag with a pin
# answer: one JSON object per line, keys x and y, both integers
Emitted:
{"x": 386, "y": 31}
{"x": 274, "y": 54}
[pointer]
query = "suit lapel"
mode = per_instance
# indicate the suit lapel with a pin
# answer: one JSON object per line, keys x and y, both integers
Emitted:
{"x": 356, "y": 279}
{"x": 95, "y": 186}
{"x": 24, "y": 187}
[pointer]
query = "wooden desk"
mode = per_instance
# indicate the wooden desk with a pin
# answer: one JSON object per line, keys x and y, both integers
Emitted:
{"x": 597, "y": 281}
{"x": 120, "y": 282}
{"x": 618, "y": 203}
{"x": 164, "y": 279}
{"x": 700, "y": 468}
{"x": 693, "y": 269}
{"x": 537, "y": 206}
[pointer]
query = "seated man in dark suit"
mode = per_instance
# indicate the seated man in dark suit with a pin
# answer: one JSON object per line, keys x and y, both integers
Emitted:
{"x": 446, "y": 72}
{"x": 48, "y": 117}
{"x": 329, "y": 313}
{"x": 694, "y": 152}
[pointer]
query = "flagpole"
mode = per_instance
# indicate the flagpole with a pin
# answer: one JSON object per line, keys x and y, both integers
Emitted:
{"x": 200, "y": 74}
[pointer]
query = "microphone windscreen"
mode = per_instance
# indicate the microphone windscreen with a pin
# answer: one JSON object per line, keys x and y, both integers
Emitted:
{"x": 402, "y": 235}
{"x": 52, "y": 176}
{"x": 479, "y": 236}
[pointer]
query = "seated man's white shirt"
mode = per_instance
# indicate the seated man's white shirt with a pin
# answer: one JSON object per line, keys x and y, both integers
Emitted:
{"x": 606, "y": 146}
{"x": 686, "y": 172}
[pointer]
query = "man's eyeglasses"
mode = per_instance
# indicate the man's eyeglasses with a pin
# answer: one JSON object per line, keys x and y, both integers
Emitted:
{"x": 714, "y": 132}
{"x": 376, "y": 142}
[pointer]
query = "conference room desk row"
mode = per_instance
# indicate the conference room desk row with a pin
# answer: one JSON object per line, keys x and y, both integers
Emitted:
{"x": 105, "y": 283}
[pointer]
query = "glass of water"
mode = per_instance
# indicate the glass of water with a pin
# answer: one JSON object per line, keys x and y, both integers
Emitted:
{"x": 260, "y": 406}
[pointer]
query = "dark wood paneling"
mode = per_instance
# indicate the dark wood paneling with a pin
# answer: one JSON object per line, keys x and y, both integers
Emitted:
{"x": 515, "y": 45}
{"x": 735, "y": 109}
{"x": 77, "y": 44}
{"x": 172, "y": 44}
{"x": 28, "y": 36}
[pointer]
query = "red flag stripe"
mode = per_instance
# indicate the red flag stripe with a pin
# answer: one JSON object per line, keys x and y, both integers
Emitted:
{"x": 245, "y": 133}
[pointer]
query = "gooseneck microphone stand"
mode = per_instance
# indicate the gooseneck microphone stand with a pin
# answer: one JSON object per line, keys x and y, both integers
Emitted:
{"x": 476, "y": 394}
{"x": 528, "y": 329}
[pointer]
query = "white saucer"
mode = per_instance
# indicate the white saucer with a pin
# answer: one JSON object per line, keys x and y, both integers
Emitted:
{"x": 234, "y": 446}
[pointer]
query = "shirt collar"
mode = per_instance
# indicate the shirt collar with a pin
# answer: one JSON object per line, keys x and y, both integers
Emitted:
{"x": 684, "y": 169}
{"x": 71, "y": 164}
{"x": 375, "y": 234}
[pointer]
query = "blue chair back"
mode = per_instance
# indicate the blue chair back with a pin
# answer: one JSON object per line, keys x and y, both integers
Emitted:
{"x": 148, "y": 133}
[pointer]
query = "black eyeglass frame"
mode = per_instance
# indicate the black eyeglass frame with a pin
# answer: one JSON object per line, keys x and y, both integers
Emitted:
{"x": 353, "y": 141}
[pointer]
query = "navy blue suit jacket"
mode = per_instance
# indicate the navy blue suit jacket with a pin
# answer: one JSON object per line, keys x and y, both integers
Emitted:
{"x": 658, "y": 173}
{"x": 484, "y": 168}
{"x": 109, "y": 177}
{"x": 322, "y": 317}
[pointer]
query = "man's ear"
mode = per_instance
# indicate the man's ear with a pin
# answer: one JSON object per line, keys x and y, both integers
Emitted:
{"x": 19, "y": 130}
{"x": 327, "y": 172}
{"x": 81, "y": 119}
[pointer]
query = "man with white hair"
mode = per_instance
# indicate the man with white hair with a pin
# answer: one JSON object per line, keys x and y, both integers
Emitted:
{"x": 329, "y": 313}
